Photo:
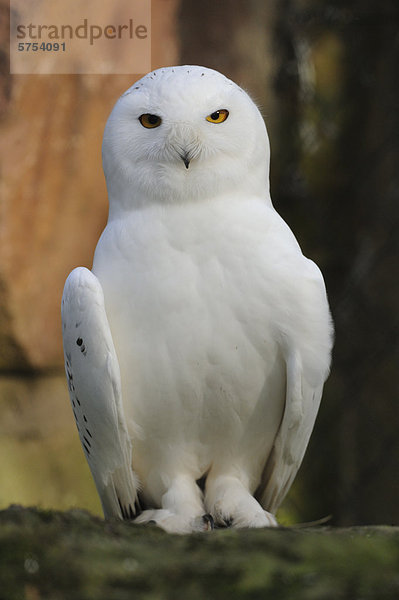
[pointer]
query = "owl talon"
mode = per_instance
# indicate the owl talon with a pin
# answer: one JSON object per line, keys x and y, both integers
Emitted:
{"x": 209, "y": 522}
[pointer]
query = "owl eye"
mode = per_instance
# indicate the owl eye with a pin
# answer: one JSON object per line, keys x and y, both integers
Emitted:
{"x": 218, "y": 116}
{"x": 150, "y": 121}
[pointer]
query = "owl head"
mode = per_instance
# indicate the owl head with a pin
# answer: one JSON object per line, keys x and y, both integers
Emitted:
{"x": 184, "y": 134}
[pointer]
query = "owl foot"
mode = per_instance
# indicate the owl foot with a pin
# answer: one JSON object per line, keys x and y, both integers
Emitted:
{"x": 241, "y": 520}
{"x": 174, "y": 523}
{"x": 232, "y": 505}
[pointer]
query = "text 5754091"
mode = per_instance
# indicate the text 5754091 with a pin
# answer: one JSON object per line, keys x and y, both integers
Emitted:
{"x": 43, "y": 47}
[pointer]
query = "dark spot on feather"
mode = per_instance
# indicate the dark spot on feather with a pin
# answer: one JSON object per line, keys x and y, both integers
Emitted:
{"x": 84, "y": 418}
{"x": 139, "y": 505}
{"x": 87, "y": 441}
{"x": 77, "y": 400}
{"x": 88, "y": 432}
{"x": 127, "y": 512}
{"x": 79, "y": 341}
{"x": 124, "y": 514}
{"x": 86, "y": 448}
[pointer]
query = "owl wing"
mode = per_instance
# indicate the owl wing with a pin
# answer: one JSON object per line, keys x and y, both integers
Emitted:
{"x": 301, "y": 406}
{"x": 94, "y": 384}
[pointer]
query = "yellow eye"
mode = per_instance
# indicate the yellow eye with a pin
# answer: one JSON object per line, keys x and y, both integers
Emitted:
{"x": 218, "y": 116}
{"x": 150, "y": 121}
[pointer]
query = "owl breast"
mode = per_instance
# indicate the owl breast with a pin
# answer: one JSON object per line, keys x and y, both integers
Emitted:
{"x": 191, "y": 301}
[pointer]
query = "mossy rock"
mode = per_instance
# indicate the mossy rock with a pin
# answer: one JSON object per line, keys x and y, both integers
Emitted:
{"x": 65, "y": 555}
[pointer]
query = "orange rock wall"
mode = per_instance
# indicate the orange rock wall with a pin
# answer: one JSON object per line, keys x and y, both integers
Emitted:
{"x": 53, "y": 203}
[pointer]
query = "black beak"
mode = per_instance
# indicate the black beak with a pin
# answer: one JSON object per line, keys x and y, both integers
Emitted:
{"x": 185, "y": 159}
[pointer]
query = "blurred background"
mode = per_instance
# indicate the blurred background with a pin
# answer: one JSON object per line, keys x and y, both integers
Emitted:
{"x": 325, "y": 75}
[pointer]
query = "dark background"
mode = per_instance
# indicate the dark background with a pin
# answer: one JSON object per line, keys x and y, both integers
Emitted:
{"x": 335, "y": 179}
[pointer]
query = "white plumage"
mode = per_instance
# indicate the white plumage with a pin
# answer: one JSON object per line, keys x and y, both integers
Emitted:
{"x": 197, "y": 348}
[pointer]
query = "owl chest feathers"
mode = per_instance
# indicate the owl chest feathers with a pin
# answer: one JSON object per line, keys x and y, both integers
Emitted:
{"x": 194, "y": 298}
{"x": 200, "y": 275}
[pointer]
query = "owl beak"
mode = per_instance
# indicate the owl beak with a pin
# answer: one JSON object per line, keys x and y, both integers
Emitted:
{"x": 185, "y": 158}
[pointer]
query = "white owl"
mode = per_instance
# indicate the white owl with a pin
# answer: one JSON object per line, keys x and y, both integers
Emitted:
{"x": 197, "y": 347}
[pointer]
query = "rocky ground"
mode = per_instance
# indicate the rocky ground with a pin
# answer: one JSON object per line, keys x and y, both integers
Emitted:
{"x": 65, "y": 555}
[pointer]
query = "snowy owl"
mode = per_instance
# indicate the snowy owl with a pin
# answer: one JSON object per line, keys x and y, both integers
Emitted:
{"x": 197, "y": 347}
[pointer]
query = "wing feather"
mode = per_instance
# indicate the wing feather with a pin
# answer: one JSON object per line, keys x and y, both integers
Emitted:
{"x": 94, "y": 384}
{"x": 301, "y": 407}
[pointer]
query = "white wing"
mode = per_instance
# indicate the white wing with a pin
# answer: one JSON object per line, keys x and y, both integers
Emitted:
{"x": 93, "y": 377}
{"x": 301, "y": 407}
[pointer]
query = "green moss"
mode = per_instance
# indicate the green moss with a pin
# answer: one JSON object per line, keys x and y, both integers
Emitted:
{"x": 45, "y": 554}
